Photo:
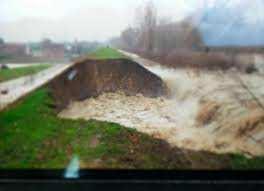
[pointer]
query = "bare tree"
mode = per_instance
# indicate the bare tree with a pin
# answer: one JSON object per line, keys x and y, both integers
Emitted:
{"x": 192, "y": 35}
{"x": 130, "y": 38}
{"x": 148, "y": 25}
{"x": 152, "y": 35}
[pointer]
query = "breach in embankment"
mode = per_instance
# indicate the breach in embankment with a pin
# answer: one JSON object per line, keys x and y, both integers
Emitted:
{"x": 206, "y": 111}
{"x": 90, "y": 78}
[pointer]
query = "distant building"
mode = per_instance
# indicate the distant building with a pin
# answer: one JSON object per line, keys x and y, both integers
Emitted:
{"x": 13, "y": 49}
{"x": 34, "y": 50}
{"x": 47, "y": 49}
{"x": 52, "y": 50}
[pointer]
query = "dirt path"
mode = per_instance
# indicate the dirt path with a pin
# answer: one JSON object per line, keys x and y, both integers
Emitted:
{"x": 13, "y": 90}
{"x": 21, "y": 65}
{"x": 206, "y": 111}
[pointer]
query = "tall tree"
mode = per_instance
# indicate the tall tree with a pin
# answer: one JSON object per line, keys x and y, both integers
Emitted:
{"x": 2, "y": 41}
{"x": 148, "y": 25}
{"x": 130, "y": 38}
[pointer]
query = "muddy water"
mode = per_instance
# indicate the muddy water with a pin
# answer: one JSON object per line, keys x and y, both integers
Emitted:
{"x": 259, "y": 62}
{"x": 174, "y": 118}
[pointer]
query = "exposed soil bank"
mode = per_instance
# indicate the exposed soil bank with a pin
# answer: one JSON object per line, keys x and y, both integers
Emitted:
{"x": 90, "y": 78}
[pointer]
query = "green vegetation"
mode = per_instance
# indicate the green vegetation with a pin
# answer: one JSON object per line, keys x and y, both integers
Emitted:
{"x": 10, "y": 74}
{"x": 244, "y": 163}
{"x": 106, "y": 53}
{"x": 4, "y": 56}
{"x": 32, "y": 136}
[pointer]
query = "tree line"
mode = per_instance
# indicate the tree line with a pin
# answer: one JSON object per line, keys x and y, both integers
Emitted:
{"x": 154, "y": 35}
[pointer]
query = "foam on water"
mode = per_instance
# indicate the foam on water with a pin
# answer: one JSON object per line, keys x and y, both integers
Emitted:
{"x": 173, "y": 118}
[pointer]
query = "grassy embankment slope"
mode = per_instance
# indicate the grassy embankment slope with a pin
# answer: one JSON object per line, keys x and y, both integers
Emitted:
{"x": 32, "y": 136}
{"x": 9, "y": 74}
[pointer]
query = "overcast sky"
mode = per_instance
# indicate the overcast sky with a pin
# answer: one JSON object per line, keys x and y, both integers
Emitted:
{"x": 66, "y": 20}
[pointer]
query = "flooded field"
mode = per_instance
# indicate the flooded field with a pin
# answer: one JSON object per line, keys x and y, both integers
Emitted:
{"x": 209, "y": 111}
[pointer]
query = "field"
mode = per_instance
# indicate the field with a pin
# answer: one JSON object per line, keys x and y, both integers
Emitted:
{"x": 9, "y": 74}
{"x": 32, "y": 136}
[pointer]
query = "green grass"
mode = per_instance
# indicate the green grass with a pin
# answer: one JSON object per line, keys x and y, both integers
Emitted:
{"x": 243, "y": 163}
{"x": 32, "y": 136}
{"x": 10, "y": 74}
{"x": 106, "y": 53}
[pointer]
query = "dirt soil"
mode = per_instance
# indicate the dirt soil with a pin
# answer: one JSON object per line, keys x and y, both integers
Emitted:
{"x": 90, "y": 78}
